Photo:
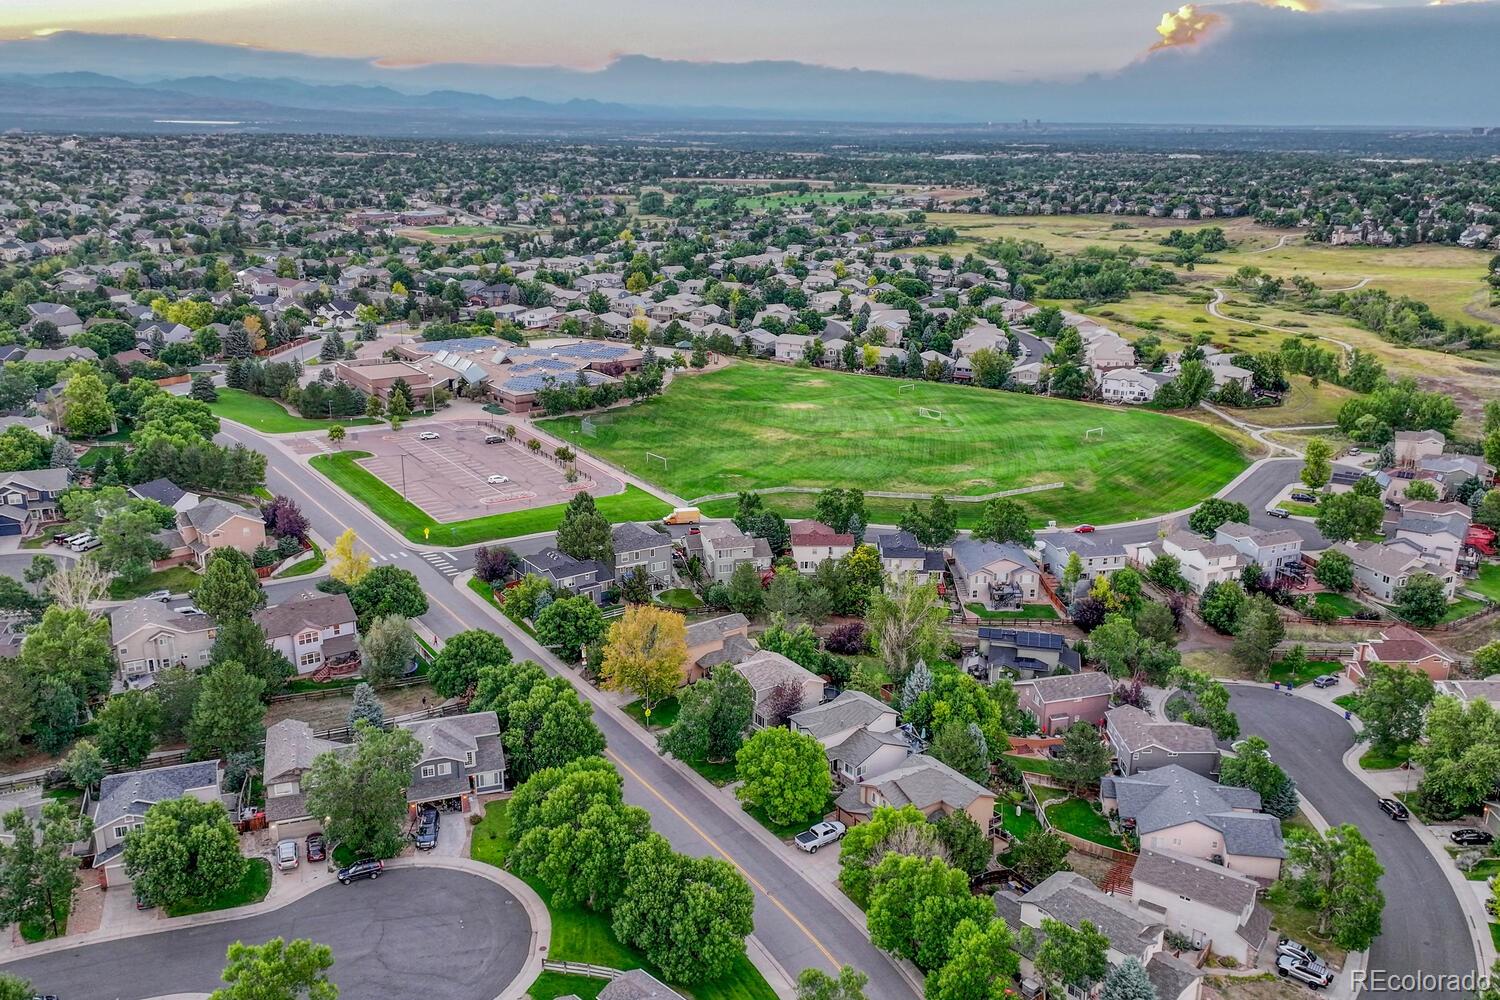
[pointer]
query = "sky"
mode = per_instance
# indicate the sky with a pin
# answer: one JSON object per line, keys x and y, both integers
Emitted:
{"x": 958, "y": 39}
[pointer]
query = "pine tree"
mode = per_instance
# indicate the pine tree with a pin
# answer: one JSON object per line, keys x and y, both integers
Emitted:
{"x": 918, "y": 683}
{"x": 366, "y": 707}
{"x": 1128, "y": 981}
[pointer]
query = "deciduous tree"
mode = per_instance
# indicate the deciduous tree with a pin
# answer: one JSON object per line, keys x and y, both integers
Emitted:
{"x": 278, "y": 970}
{"x": 347, "y": 563}
{"x": 186, "y": 848}
{"x": 361, "y": 793}
{"x": 127, "y": 727}
{"x": 228, "y": 713}
{"x": 1337, "y": 877}
{"x": 785, "y": 773}
{"x": 983, "y": 963}
{"x": 456, "y": 667}
{"x": 386, "y": 646}
{"x": 915, "y": 905}
{"x": 713, "y": 717}
{"x": 645, "y": 653}
{"x": 230, "y": 589}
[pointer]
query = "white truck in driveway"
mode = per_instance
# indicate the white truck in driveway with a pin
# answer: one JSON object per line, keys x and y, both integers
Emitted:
{"x": 820, "y": 834}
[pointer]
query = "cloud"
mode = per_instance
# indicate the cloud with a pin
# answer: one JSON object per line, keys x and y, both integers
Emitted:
{"x": 1185, "y": 26}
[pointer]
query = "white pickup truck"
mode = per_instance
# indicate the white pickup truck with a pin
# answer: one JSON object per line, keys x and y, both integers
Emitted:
{"x": 820, "y": 834}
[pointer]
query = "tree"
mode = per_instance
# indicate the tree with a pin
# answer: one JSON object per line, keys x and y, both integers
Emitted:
{"x": 39, "y": 572}
{"x": 1128, "y": 981}
{"x": 12, "y": 988}
{"x": 361, "y": 793}
{"x": 1391, "y": 706}
{"x": 568, "y": 625}
{"x": 1116, "y": 645}
{"x": 456, "y": 667}
{"x": 387, "y": 645}
{"x": 836, "y": 507}
{"x": 1072, "y": 956}
{"x": 584, "y": 533}
{"x": 815, "y": 984}
{"x": 186, "y": 848}
{"x": 38, "y": 871}
{"x": 1343, "y": 516}
{"x": 278, "y": 970}
{"x": 1219, "y": 605}
{"x": 983, "y": 963}
{"x": 1004, "y": 520}
{"x": 1257, "y": 633}
{"x": 1041, "y": 854}
{"x": 906, "y": 620}
{"x": 494, "y": 563}
{"x": 1083, "y": 757}
{"x": 690, "y": 916}
{"x": 1487, "y": 659}
{"x": 1317, "y": 464}
{"x": 934, "y": 527}
{"x": 365, "y": 707}
{"x": 346, "y": 562}
{"x": 969, "y": 848}
{"x": 957, "y": 747}
{"x": 785, "y": 774}
{"x": 1335, "y": 570}
{"x": 713, "y": 716}
{"x": 84, "y": 766}
{"x": 867, "y": 844}
{"x": 86, "y": 411}
{"x": 745, "y": 592}
{"x": 230, "y": 589}
{"x": 1213, "y": 512}
{"x": 915, "y": 904}
{"x": 388, "y": 590}
{"x": 1166, "y": 572}
{"x": 228, "y": 714}
{"x": 645, "y": 653}
{"x": 1073, "y": 572}
{"x": 126, "y": 728}
{"x": 244, "y": 641}
{"x": 1337, "y": 877}
{"x": 1422, "y": 489}
{"x": 1422, "y": 600}
{"x": 1252, "y": 767}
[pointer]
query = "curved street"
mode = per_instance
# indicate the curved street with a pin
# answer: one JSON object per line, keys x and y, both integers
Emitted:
{"x": 1425, "y": 929}
{"x": 414, "y": 932}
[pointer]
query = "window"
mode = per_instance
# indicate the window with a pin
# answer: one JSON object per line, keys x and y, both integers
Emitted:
{"x": 121, "y": 831}
{"x": 281, "y": 788}
{"x": 203, "y": 656}
{"x": 428, "y": 770}
{"x": 307, "y": 638}
{"x": 310, "y": 659}
{"x": 469, "y": 757}
{"x": 445, "y": 768}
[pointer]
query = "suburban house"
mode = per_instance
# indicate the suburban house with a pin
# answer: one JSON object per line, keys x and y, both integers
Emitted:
{"x": 766, "y": 671}
{"x": 722, "y": 547}
{"x": 995, "y": 574}
{"x": 166, "y": 493}
{"x": 1173, "y": 809}
{"x": 1203, "y": 562}
{"x": 1437, "y": 528}
{"x": 1413, "y": 446}
{"x": 638, "y": 545}
{"x": 1058, "y": 702}
{"x": 1206, "y": 903}
{"x": 1008, "y": 652}
{"x": 901, "y": 553}
{"x": 29, "y": 499}
{"x": 725, "y": 639}
{"x": 1130, "y": 385}
{"x": 290, "y": 749}
{"x": 149, "y": 636}
{"x": 922, "y": 781}
{"x": 1133, "y": 932}
{"x": 1097, "y": 555}
{"x": 1141, "y": 743}
{"x": 1400, "y": 646}
{"x": 125, "y": 797}
{"x": 637, "y": 984}
{"x": 1270, "y": 550}
{"x": 314, "y": 631}
{"x": 1382, "y": 568}
{"x": 587, "y": 577}
{"x": 814, "y": 541}
{"x": 209, "y": 525}
{"x": 461, "y": 755}
{"x": 859, "y": 734}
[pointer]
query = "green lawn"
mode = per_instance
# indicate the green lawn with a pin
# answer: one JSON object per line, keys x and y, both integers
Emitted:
{"x": 1346, "y": 606}
{"x": 1484, "y": 871}
{"x": 1310, "y": 670}
{"x": 1488, "y": 581}
{"x": 177, "y": 579}
{"x": 344, "y": 470}
{"x": 311, "y": 564}
{"x": 786, "y": 831}
{"x": 1300, "y": 509}
{"x": 33, "y": 931}
{"x": 1461, "y": 608}
{"x": 581, "y": 935}
{"x": 719, "y": 773}
{"x": 1036, "y": 765}
{"x": 37, "y": 541}
{"x": 251, "y": 889}
{"x": 551, "y": 985}
{"x": 1019, "y": 825}
{"x": 662, "y": 716}
{"x": 1379, "y": 760}
{"x": 1044, "y": 611}
{"x": 268, "y": 416}
{"x": 466, "y": 231}
{"x": 1297, "y": 922}
{"x": 1348, "y": 702}
{"x": 823, "y": 428}
{"x": 1081, "y": 819}
{"x": 679, "y": 599}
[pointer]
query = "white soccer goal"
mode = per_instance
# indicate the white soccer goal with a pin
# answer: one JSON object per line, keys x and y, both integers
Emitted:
{"x": 1094, "y": 434}
{"x": 658, "y": 458}
{"x": 906, "y": 387}
{"x": 587, "y": 427}
{"x": 930, "y": 412}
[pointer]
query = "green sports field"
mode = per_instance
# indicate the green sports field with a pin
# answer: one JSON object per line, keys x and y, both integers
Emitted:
{"x": 754, "y": 425}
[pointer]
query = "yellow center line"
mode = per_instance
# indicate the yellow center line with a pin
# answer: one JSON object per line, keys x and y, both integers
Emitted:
{"x": 726, "y": 856}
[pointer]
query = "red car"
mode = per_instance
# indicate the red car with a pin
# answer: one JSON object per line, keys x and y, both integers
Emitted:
{"x": 1083, "y": 529}
{"x": 317, "y": 849}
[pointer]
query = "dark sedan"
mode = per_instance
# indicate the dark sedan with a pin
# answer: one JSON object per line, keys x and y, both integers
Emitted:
{"x": 317, "y": 847}
{"x": 1470, "y": 837}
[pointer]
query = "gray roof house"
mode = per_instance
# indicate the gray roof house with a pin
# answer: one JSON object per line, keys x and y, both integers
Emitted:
{"x": 922, "y": 781}
{"x": 901, "y": 553}
{"x": 766, "y": 671}
{"x": 722, "y": 547}
{"x": 149, "y": 636}
{"x": 1141, "y": 743}
{"x": 637, "y": 984}
{"x": 587, "y": 577}
{"x": 27, "y": 499}
{"x": 1207, "y": 903}
{"x": 1003, "y": 652}
{"x": 639, "y": 545}
{"x": 290, "y": 749}
{"x": 994, "y": 574}
{"x": 1099, "y": 555}
{"x": 460, "y": 754}
{"x": 859, "y": 735}
{"x": 123, "y": 801}
{"x": 166, "y": 493}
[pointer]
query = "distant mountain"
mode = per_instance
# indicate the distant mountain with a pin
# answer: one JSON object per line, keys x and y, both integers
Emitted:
{"x": 1263, "y": 66}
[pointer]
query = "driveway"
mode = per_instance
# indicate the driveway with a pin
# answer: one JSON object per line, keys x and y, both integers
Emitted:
{"x": 1424, "y": 927}
{"x": 412, "y": 933}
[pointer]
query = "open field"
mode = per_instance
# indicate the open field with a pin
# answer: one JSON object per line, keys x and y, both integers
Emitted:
{"x": 776, "y": 426}
{"x": 270, "y": 417}
{"x": 1303, "y": 406}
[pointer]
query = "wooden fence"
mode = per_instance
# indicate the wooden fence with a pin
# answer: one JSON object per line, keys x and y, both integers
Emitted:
{"x": 581, "y": 969}
{"x": 1078, "y": 844}
{"x": 337, "y": 690}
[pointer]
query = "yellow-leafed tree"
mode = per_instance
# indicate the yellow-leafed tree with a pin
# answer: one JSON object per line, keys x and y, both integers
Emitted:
{"x": 645, "y": 653}
{"x": 346, "y": 563}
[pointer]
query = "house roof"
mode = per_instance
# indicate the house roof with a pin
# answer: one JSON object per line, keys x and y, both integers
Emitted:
{"x": 766, "y": 669}
{"x": 1065, "y": 687}
{"x": 211, "y": 513}
{"x": 454, "y": 735}
{"x": 1399, "y": 644}
{"x": 715, "y": 628}
{"x": 163, "y": 491}
{"x": 128, "y": 619}
{"x": 1138, "y": 730}
{"x": 1199, "y": 880}
{"x": 306, "y": 610}
{"x": 1280, "y": 536}
{"x": 638, "y": 984}
{"x": 1170, "y": 796}
{"x": 811, "y": 532}
{"x": 43, "y": 480}
{"x": 972, "y": 556}
{"x": 1072, "y": 899}
{"x": 924, "y": 782}
{"x": 851, "y": 708}
{"x": 630, "y": 537}
{"x": 133, "y": 792}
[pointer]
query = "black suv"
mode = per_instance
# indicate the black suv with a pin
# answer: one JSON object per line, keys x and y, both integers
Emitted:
{"x": 1471, "y": 837}
{"x": 426, "y": 835}
{"x": 364, "y": 868}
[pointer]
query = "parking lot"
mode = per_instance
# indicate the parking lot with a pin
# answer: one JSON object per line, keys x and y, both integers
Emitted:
{"x": 448, "y": 476}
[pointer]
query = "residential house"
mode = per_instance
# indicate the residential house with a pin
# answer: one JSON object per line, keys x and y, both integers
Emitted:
{"x": 1058, "y": 702}
{"x": 994, "y": 574}
{"x": 1141, "y": 743}
{"x": 1270, "y": 550}
{"x": 1450, "y": 472}
{"x": 721, "y": 547}
{"x": 859, "y": 734}
{"x": 766, "y": 671}
{"x": 1130, "y": 385}
{"x": 902, "y": 554}
{"x": 1014, "y": 652}
{"x": 29, "y": 499}
{"x": 586, "y": 577}
{"x": 1206, "y": 903}
{"x": 1098, "y": 555}
{"x": 1437, "y": 528}
{"x": 1413, "y": 446}
{"x": 637, "y": 984}
{"x": 725, "y": 639}
{"x": 922, "y": 781}
{"x": 814, "y": 541}
{"x": 210, "y": 525}
{"x": 166, "y": 493}
{"x": 461, "y": 756}
{"x": 1203, "y": 562}
{"x": 291, "y": 748}
{"x": 314, "y": 631}
{"x": 1133, "y": 932}
{"x": 1173, "y": 809}
{"x": 149, "y": 636}
{"x": 1380, "y": 568}
{"x": 1400, "y": 646}
{"x": 124, "y": 799}
{"x": 63, "y": 317}
{"x": 641, "y": 545}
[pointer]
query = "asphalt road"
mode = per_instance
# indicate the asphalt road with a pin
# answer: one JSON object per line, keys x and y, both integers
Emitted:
{"x": 420, "y": 932}
{"x": 1425, "y": 929}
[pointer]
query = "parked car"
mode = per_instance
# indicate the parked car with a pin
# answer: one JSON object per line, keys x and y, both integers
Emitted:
{"x": 426, "y": 835}
{"x": 1326, "y": 681}
{"x": 1304, "y": 497}
{"x": 1297, "y": 950}
{"x": 493, "y": 438}
{"x": 497, "y": 480}
{"x": 1316, "y": 975}
{"x": 427, "y": 436}
{"x": 1355, "y": 451}
{"x": 1395, "y": 810}
{"x": 158, "y": 595}
{"x": 317, "y": 847}
{"x": 820, "y": 834}
{"x": 1083, "y": 529}
{"x": 286, "y": 855}
{"x": 1470, "y": 837}
{"x": 1278, "y": 512}
{"x": 188, "y": 609}
{"x": 364, "y": 868}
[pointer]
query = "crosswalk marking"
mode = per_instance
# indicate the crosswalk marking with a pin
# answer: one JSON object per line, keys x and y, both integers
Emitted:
{"x": 440, "y": 562}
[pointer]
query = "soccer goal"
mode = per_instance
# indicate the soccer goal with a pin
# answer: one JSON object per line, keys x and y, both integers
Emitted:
{"x": 906, "y": 387}
{"x": 1094, "y": 434}
{"x": 586, "y": 426}
{"x": 653, "y": 456}
{"x": 930, "y": 412}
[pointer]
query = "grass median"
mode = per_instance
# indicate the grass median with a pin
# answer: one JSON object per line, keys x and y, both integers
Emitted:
{"x": 268, "y": 416}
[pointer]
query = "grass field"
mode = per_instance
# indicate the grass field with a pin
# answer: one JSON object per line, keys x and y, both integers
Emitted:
{"x": 465, "y": 230}
{"x": 1033, "y": 611}
{"x": 1461, "y": 608}
{"x": 344, "y": 470}
{"x": 662, "y": 716}
{"x": 1081, "y": 819}
{"x": 1347, "y": 607}
{"x": 1309, "y": 671}
{"x": 302, "y": 567}
{"x": 177, "y": 579}
{"x": 774, "y": 426}
{"x": 1487, "y": 583}
{"x": 1019, "y": 823}
{"x": 270, "y": 417}
{"x": 1304, "y": 405}
{"x": 251, "y": 889}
